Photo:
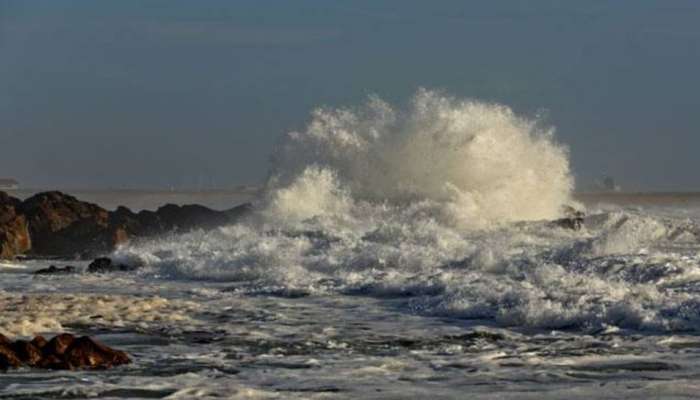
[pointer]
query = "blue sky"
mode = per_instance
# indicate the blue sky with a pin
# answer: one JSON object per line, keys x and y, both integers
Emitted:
{"x": 187, "y": 93}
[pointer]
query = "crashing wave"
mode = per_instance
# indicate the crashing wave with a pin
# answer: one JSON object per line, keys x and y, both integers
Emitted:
{"x": 475, "y": 164}
{"x": 441, "y": 203}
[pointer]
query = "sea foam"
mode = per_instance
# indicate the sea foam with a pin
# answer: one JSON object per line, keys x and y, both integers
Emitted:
{"x": 479, "y": 163}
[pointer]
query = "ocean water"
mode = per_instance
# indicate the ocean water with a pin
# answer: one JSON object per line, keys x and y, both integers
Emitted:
{"x": 395, "y": 252}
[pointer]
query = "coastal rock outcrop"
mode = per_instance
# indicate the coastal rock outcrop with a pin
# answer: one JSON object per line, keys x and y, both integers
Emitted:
{"x": 14, "y": 229}
{"x": 54, "y": 224}
{"x": 64, "y": 351}
{"x": 61, "y": 225}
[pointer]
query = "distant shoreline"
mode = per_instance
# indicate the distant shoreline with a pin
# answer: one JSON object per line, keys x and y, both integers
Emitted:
{"x": 221, "y": 199}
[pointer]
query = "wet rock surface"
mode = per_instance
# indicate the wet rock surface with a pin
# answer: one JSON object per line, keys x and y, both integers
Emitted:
{"x": 60, "y": 224}
{"x": 14, "y": 230}
{"x": 8, "y": 358}
{"x": 68, "y": 269}
{"x": 104, "y": 264}
{"x": 54, "y": 224}
{"x": 64, "y": 352}
{"x": 97, "y": 266}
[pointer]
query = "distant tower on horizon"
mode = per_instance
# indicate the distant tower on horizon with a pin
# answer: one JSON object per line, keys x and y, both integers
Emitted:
{"x": 8, "y": 184}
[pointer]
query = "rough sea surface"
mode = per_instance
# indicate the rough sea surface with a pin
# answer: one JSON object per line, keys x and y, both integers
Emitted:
{"x": 392, "y": 254}
{"x": 524, "y": 311}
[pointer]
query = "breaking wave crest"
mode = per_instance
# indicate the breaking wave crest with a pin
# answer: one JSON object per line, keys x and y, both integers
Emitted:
{"x": 476, "y": 164}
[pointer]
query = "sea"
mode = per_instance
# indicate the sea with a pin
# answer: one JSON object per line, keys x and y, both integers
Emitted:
{"x": 392, "y": 253}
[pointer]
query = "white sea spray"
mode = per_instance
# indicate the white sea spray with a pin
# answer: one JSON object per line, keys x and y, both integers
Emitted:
{"x": 444, "y": 203}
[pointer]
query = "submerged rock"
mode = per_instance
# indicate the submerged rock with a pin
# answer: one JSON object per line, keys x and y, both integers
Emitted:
{"x": 68, "y": 269}
{"x": 99, "y": 265}
{"x": 104, "y": 264}
{"x": 64, "y": 351}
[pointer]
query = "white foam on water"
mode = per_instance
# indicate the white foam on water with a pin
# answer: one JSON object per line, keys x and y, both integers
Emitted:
{"x": 37, "y": 313}
{"x": 442, "y": 202}
{"x": 614, "y": 273}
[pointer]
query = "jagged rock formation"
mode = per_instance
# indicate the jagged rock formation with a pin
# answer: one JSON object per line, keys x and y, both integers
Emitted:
{"x": 53, "y": 224}
{"x": 14, "y": 230}
{"x": 64, "y": 351}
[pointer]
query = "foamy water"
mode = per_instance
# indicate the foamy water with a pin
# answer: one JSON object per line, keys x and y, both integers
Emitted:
{"x": 396, "y": 252}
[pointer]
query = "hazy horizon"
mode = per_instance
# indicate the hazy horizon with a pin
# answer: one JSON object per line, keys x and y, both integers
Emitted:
{"x": 196, "y": 94}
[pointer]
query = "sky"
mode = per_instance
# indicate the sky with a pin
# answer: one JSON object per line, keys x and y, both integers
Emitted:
{"x": 189, "y": 94}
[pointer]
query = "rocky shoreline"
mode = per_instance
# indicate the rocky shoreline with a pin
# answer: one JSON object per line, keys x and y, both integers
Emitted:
{"x": 55, "y": 224}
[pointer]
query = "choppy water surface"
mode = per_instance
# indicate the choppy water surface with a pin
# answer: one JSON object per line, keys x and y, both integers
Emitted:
{"x": 526, "y": 311}
{"x": 393, "y": 254}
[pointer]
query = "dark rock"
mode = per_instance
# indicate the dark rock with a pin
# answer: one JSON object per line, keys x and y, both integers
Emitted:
{"x": 27, "y": 352}
{"x": 58, "y": 345}
{"x": 241, "y": 211}
{"x": 53, "y": 362}
{"x": 8, "y": 358}
{"x": 188, "y": 217}
{"x": 39, "y": 341}
{"x": 62, "y": 352}
{"x": 61, "y": 225}
{"x": 86, "y": 353}
{"x": 125, "y": 225}
{"x": 53, "y": 224}
{"x": 68, "y": 269}
{"x": 475, "y": 335}
{"x": 14, "y": 229}
{"x": 104, "y": 264}
{"x": 7, "y": 200}
{"x": 172, "y": 218}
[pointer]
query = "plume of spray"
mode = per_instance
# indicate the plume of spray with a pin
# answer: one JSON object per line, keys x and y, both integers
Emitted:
{"x": 474, "y": 164}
